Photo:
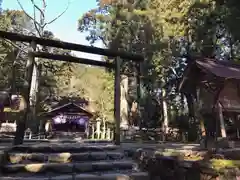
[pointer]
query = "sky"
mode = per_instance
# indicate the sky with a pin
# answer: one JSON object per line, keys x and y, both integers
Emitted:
{"x": 65, "y": 28}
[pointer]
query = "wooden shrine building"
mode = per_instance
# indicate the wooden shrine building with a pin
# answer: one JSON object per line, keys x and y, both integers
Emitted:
{"x": 213, "y": 87}
{"x": 69, "y": 117}
{"x": 11, "y": 108}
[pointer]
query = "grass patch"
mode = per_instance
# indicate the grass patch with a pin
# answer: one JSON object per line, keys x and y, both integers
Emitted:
{"x": 217, "y": 164}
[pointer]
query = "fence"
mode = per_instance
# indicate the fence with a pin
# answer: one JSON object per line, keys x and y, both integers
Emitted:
{"x": 103, "y": 134}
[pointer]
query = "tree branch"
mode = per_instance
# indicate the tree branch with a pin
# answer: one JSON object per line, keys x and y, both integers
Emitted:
{"x": 34, "y": 16}
{"x": 103, "y": 41}
{"x": 42, "y": 17}
{"x": 44, "y": 4}
{"x": 16, "y": 46}
{"x": 23, "y": 29}
{"x": 36, "y": 7}
{"x": 27, "y": 13}
{"x": 58, "y": 15}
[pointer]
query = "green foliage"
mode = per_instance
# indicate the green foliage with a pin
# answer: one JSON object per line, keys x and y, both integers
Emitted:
{"x": 151, "y": 28}
{"x": 123, "y": 26}
{"x": 12, "y": 54}
{"x": 97, "y": 86}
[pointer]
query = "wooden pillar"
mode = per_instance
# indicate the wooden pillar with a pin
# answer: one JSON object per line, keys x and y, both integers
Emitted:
{"x": 87, "y": 129}
{"x": 140, "y": 123}
{"x": 98, "y": 128}
{"x": 104, "y": 129}
{"x": 237, "y": 125}
{"x": 21, "y": 123}
{"x": 200, "y": 120}
{"x": 108, "y": 134}
{"x": 117, "y": 97}
{"x": 221, "y": 120}
{"x": 93, "y": 131}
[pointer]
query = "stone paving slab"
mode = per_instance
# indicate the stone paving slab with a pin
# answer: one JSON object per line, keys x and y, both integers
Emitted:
{"x": 70, "y": 167}
{"x": 44, "y": 147}
{"x": 89, "y": 141}
{"x": 63, "y": 157}
{"x": 85, "y": 176}
{"x": 177, "y": 146}
{"x": 103, "y": 143}
{"x": 55, "y": 148}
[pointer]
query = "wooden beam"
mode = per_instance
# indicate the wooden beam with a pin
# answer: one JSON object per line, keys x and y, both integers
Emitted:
{"x": 70, "y": 46}
{"x": 73, "y": 59}
{"x": 117, "y": 99}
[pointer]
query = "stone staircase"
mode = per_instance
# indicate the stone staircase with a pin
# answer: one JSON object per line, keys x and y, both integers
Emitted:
{"x": 69, "y": 162}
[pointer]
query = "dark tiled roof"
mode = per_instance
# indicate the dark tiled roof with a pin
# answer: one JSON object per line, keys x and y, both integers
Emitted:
{"x": 66, "y": 106}
{"x": 219, "y": 68}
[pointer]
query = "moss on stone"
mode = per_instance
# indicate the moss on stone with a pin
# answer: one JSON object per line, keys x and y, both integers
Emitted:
{"x": 219, "y": 164}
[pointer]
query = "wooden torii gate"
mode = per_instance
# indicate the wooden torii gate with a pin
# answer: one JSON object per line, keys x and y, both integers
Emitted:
{"x": 32, "y": 53}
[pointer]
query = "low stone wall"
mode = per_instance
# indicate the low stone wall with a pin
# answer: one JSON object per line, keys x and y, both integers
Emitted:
{"x": 175, "y": 167}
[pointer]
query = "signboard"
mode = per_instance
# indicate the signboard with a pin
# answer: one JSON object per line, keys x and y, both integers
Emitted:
{"x": 60, "y": 119}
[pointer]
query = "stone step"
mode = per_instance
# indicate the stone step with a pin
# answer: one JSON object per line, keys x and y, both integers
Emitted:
{"x": 64, "y": 157}
{"x": 97, "y": 141}
{"x": 122, "y": 175}
{"x": 58, "y": 148}
{"x": 64, "y": 168}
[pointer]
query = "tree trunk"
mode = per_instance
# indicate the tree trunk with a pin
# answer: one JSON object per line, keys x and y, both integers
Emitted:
{"x": 33, "y": 97}
{"x": 124, "y": 103}
{"x": 190, "y": 105}
{"x": 34, "y": 92}
{"x": 165, "y": 114}
{"x": 21, "y": 124}
{"x": 192, "y": 131}
{"x": 14, "y": 56}
{"x": 182, "y": 109}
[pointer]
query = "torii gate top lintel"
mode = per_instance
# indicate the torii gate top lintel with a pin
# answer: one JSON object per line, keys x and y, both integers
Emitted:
{"x": 70, "y": 46}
